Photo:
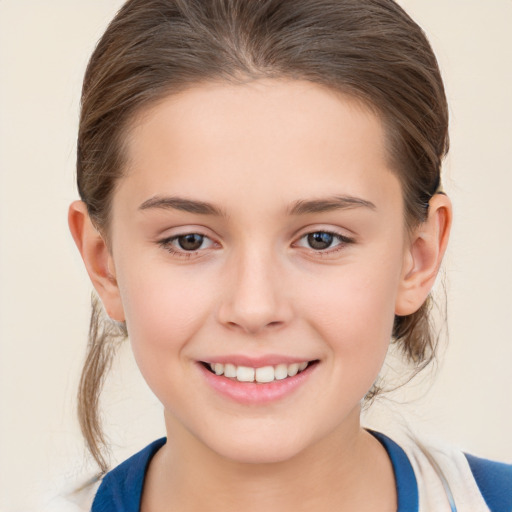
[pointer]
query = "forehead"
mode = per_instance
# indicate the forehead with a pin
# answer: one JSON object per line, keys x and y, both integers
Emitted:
{"x": 268, "y": 138}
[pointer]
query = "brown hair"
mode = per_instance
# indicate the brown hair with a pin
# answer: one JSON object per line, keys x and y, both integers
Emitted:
{"x": 368, "y": 49}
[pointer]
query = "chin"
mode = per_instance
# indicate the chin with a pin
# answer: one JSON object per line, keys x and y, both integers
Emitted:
{"x": 256, "y": 454}
{"x": 255, "y": 448}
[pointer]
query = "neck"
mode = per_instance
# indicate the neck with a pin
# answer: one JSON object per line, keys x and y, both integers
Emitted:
{"x": 347, "y": 470}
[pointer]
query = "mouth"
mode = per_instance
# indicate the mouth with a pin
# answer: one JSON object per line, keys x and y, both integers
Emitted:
{"x": 261, "y": 375}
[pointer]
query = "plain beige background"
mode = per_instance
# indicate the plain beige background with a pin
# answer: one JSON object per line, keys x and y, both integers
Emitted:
{"x": 44, "y": 292}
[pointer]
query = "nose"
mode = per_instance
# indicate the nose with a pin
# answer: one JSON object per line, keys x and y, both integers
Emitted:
{"x": 255, "y": 298}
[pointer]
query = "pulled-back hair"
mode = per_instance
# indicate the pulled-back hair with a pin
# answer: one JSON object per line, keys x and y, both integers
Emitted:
{"x": 367, "y": 49}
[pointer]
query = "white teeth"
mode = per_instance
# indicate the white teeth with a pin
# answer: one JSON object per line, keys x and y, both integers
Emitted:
{"x": 245, "y": 374}
{"x": 281, "y": 371}
{"x": 229, "y": 370}
{"x": 265, "y": 374}
{"x": 293, "y": 369}
{"x": 262, "y": 375}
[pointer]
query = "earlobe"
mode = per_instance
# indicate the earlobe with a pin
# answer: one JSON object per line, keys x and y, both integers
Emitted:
{"x": 97, "y": 259}
{"x": 424, "y": 255}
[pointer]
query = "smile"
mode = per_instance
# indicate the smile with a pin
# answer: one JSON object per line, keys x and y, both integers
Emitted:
{"x": 264, "y": 374}
{"x": 257, "y": 383}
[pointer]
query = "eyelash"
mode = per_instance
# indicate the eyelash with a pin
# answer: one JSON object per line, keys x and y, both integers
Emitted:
{"x": 166, "y": 243}
{"x": 343, "y": 240}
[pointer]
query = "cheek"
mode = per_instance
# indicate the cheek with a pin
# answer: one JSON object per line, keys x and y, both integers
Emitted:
{"x": 163, "y": 312}
{"x": 353, "y": 311}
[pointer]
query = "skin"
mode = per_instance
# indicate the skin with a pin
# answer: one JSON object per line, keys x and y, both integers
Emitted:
{"x": 256, "y": 287}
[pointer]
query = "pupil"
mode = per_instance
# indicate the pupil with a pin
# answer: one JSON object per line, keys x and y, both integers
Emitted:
{"x": 320, "y": 240}
{"x": 190, "y": 242}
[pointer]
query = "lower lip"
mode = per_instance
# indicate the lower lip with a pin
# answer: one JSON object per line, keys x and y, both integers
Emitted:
{"x": 256, "y": 393}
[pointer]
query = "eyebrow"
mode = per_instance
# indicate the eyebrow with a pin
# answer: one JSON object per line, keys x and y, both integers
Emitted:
{"x": 182, "y": 204}
{"x": 302, "y": 207}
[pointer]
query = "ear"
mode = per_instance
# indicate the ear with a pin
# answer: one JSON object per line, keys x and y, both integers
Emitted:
{"x": 97, "y": 259}
{"x": 423, "y": 256}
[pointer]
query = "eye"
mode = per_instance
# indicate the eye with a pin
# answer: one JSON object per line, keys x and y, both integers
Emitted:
{"x": 186, "y": 244}
{"x": 190, "y": 242}
{"x": 320, "y": 240}
{"x": 323, "y": 240}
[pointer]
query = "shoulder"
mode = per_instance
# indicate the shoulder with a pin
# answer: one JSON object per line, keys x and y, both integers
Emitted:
{"x": 448, "y": 479}
{"x": 121, "y": 488}
{"x": 494, "y": 479}
{"x": 467, "y": 482}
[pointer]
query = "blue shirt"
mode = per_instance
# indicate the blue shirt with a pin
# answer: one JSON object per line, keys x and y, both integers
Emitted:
{"x": 121, "y": 488}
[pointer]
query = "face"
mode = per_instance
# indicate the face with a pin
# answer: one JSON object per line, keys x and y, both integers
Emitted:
{"x": 257, "y": 229}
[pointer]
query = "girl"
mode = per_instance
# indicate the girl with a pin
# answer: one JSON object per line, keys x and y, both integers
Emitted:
{"x": 262, "y": 213}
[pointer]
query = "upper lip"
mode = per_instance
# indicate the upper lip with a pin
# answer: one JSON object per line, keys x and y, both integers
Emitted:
{"x": 256, "y": 361}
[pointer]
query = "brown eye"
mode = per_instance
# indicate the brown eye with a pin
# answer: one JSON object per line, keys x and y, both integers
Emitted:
{"x": 320, "y": 240}
{"x": 187, "y": 245}
{"x": 323, "y": 242}
{"x": 190, "y": 242}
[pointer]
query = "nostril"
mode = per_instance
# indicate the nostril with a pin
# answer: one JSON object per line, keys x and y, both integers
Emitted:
{"x": 254, "y": 328}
